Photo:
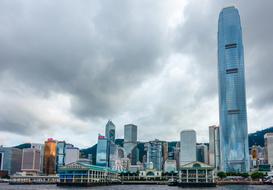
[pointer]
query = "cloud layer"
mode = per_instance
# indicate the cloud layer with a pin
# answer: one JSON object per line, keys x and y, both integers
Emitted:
{"x": 67, "y": 67}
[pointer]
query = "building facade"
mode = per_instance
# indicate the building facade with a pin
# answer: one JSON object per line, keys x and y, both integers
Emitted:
{"x": 196, "y": 172}
{"x": 202, "y": 153}
{"x": 165, "y": 151}
{"x": 50, "y": 154}
{"x": 187, "y": 147}
{"x": 102, "y": 158}
{"x": 31, "y": 161}
{"x": 61, "y": 146}
{"x": 268, "y": 145}
{"x": 214, "y": 146}
{"x": 232, "y": 98}
{"x": 110, "y": 131}
{"x": 39, "y": 147}
{"x": 170, "y": 166}
{"x": 155, "y": 154}
{"x": 130, "y": 142}
{"x": 10, "y": 160}
{"x": 72, "y": 154}
{"x": 130, "y": 138}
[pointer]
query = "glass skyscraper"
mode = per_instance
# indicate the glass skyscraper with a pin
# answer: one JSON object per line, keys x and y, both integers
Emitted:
{"x": 102, "y": 158}
{"x": 232, "y": 98}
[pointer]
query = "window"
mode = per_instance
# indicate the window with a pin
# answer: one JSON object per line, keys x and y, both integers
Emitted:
{"x": 230, "y": 71}
{"x": 228, "y": 46}
{"x": 236, "y": 111}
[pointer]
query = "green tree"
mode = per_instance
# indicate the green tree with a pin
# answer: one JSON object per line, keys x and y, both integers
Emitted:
{"x": 257, "y": 175}
{"x": 244, "y": 175}
{"x": 221, "y": 175}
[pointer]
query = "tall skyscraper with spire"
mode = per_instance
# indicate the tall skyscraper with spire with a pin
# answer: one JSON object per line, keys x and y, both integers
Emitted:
{"x": 232, "y": 98}
{"x": 110, "y": 129}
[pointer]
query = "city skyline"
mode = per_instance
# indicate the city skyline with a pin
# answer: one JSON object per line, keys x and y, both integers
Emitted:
{"x": 64, "y": 75}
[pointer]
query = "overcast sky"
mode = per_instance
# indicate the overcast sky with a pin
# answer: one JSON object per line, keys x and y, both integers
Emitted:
{"x": 69, "y": 66}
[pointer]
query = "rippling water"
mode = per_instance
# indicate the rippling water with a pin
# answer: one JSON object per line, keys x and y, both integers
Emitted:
{"x": 132, "y": 187}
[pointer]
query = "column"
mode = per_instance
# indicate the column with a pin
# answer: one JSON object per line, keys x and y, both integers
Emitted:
{"x": 206, "y": 176}
{"x": 196, "y": 175}
{"x": 187, "y": 176}
{"x": 88, "y": 176}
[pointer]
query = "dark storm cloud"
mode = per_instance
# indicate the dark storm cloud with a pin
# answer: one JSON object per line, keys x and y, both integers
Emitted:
{"x": 198, "y": 37}
{"x": 97, "y": 51}
{"x": 121, "y": 59}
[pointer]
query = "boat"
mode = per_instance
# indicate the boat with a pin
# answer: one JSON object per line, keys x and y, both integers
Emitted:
{"x": 172, "y": 182}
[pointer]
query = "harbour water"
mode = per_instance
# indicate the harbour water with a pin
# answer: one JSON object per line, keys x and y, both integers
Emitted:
{"x": 131, "y": 187}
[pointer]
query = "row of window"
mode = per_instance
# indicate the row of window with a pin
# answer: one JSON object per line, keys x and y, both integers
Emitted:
{"x": 230, "y": 71}
{"x": 228, "y": 46}
{"x": 236, "y": 111}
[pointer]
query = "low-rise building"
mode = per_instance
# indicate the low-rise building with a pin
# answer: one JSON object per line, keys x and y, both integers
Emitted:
{"x": 170, "y": 166}
{"x": 196, "y": 172}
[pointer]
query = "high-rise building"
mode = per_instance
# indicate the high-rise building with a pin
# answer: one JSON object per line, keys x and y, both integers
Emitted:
{"x": 10, "y": 160}
{"x": 130, "y": 138}
{"x": 102, "y": 158}
{"x": 232, "y": 98}
{"x": 61, "y": 145}
{"x": 72, "y": 154}
{"x": 113, "y": 154}
{"x": 31, "y": 161}
{"x": 165, "y": 151}
{"x": 39, "y": 147}
{"x": 214, "y": 146}
{"x": 50, "y": 154}
{"x": 202, "y": 153}
{"x": 177, "y": 154}
{"x": 1, "y": 159}
{"x": 110, "y": 136}
{"x": 110, "y": 129}
{"x": 187, "y": 147}
{"x": 268, "y": 145}
{"x": 130, "y": 133}
{"x": 155, "y": 154}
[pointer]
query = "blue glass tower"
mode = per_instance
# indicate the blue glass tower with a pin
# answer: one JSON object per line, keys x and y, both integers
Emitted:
{"x": 232, "y": 100}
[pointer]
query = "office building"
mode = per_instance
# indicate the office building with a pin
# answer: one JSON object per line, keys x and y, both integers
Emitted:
{"x": 232, "y": 97}
{"x": 268, "y": 145}
{"x": 165, "y": 151}
{"x": 155, "y": 154}
{"x": 177, "y": 154}
{"x": 50, "y": 154}
{"x": 170, "y": 166}
{"x": 39, "y": 147}
{"x": 31, "y": 161}
{"x": 10, "y": 160}
{"x": 130, "y": 140}
{"x": 110, "y": 129}
{"x": 202, "y": 154}
{"x": 187, "y": 147}
{"x": 125, "y": 164}
{"x": 214, "y": 146}
{"x": 72, "y": 154}
{"x": 61, "y": 145}
{"x": 102, "y": 158}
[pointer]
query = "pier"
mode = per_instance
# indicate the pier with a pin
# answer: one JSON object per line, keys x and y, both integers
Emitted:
{"x": 33, "y": 180}
{"x": 84, "y": 174}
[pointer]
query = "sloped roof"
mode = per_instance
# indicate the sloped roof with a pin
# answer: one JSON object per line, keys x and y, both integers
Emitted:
{"x": 85, "y": 166}
{"x": 197, "y": 165}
